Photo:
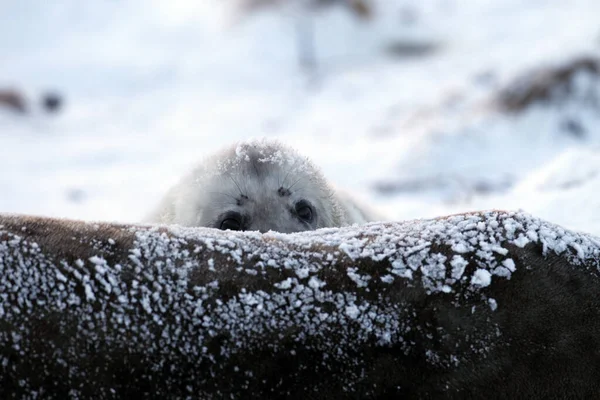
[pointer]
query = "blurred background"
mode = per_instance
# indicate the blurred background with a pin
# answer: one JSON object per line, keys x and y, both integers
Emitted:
{"x": 421, "y": 107}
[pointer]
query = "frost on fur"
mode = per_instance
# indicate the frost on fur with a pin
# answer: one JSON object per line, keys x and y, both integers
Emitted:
{"x": 482, "y": 305}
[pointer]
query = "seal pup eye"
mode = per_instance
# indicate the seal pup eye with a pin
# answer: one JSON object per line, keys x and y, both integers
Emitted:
{"x": 304, "y": 211}
{"x": 231, "y": 221}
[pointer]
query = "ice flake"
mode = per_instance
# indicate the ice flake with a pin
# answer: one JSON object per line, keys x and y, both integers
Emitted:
{"x": 521, "y": 241}
{"x": 509, "y": 264}
{"x": 302, "y": 272}
{"x": 315, "y": 283}
{"x": 460, "y": 247}
{"x": 352, "y": 311}
{"x": 89, "y": 293}
{"x": 60, "y": 276}
{"x": 284, "y": 285}
{"x": 481, "y": 277}
{"x": 458, "y": 266}
{"x": 360, "y": 280}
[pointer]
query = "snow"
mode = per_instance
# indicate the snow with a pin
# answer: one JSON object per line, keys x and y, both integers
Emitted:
{"x": 315, "y": 283}
{"x": 89, "y": 293}
{"x": 360, "y": 281}
{"x": 458, "y": 266}
{"x": 151, "y": 87}
{"x": 510, "y": 264}
{"x": 482, "y": 278}
{"x": 352, "y": 311}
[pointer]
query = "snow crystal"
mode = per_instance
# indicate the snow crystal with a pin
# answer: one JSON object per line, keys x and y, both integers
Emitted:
{"x": 315, "y": 283}
{"x": 352, "y": 311}
{"x": 578, "y": 249}
{"x": 482, "y": 278}
{"x": 211, "y": 264}
{"x": 509, "y": 264}
{"x": 60, "y": 276}
{"x": 360, "y": 280}
{"x": 460, "y": 248}
{"x": 399, "y": 268}
{"x": 532, "y": 235}
{"x": 89, "y": 293}
{"x": 303, "y": 272}
{"x": 521, "y": 241}
{"x": 353, "y": 248}
{"x": 286, "y": 284}
{"x": 458, "y": 266}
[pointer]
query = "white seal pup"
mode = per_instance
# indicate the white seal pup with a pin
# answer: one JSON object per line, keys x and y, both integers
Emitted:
{"x": 258, "y": 185}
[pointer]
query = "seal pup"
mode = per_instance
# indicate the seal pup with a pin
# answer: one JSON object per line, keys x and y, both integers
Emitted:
{"x": 258, "y": 185}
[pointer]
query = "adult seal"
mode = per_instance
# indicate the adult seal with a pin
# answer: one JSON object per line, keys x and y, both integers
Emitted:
{"x": 258, "y": 185}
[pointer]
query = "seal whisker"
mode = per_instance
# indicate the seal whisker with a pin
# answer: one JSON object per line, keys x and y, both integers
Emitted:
{"x": 288, "y": 172}
{"x": 294, "y": 184}
{"x": 300, "y": 190}
{"x": 236, "y": 184}
{"x": 225, "y": 194}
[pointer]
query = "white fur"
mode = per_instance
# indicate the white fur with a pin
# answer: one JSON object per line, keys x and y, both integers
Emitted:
{"x": 257, "y": 170}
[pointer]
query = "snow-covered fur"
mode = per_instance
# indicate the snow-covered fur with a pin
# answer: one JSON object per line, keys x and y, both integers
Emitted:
{"x": 262, "y": 185}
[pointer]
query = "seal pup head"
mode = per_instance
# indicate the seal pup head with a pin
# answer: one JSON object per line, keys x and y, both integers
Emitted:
{"x": 258, "y": 185}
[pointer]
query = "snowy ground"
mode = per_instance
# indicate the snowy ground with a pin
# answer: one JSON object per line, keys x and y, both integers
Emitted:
{"x": 152, "y": 86}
